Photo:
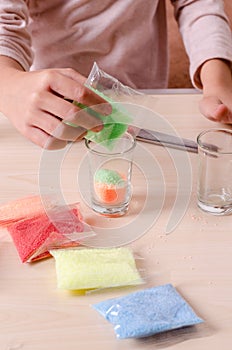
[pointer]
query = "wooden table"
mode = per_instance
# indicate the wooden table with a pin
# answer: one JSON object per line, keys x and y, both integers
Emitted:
{"x": 196, "y": 257}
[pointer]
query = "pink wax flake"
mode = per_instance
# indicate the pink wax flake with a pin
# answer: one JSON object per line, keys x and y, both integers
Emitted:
{"x": 35, "y": 236}
{"x": 20, "y": 209}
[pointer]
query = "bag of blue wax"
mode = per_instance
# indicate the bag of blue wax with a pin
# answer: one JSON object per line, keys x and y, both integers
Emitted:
{"x": 147, "y": 312}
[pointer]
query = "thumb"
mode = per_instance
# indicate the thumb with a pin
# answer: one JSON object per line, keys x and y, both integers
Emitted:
{"x": 212, "y": 108}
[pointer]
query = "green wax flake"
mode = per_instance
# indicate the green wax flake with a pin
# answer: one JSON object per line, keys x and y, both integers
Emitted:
{"x": 109, "y": 134}
{"x": 115, "y": 124}
{"x": 107, "y": 176}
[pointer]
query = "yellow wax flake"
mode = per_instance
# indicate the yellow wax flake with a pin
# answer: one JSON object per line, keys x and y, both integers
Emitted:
{"x": 95, "y": 268}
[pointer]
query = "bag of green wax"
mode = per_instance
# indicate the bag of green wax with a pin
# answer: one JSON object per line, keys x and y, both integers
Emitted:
{"x": 114, "y": 92}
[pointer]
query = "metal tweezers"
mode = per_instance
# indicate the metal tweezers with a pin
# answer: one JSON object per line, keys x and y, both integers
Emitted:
{"x": 167, "y": 140}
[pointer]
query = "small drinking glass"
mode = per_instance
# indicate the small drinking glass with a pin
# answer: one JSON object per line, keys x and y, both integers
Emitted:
{"x": 215, "y": 171}
{"x": 110, "y": 170}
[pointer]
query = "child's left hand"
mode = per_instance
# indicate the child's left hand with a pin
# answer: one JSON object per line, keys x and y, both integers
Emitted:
{"x": 216, "y": 103}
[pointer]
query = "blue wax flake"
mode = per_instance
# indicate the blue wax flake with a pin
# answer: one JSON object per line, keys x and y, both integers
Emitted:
{"x": 147, "y": 312}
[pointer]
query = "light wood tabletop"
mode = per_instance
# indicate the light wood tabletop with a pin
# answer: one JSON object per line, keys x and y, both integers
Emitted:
{"x": 175, "y": 241}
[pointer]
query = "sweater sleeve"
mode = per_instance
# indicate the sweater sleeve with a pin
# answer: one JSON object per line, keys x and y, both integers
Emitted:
{"x": 206, "y": 33}
{"x": 15, "y": 41}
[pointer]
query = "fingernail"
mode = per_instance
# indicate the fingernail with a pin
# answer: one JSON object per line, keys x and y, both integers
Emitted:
{"x": 97, "y": 128}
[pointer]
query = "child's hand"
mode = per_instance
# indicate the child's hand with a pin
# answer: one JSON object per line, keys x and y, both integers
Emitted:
{"x": 217, "y": 109}
{"x": 34, "y": 103}
{"x": 216, "y": 103}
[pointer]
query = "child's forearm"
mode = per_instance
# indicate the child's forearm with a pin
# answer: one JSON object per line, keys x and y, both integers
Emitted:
{"x": 6, "y": 61}
{"x": 215, "y": 74}
{"x": 8, "y": 68}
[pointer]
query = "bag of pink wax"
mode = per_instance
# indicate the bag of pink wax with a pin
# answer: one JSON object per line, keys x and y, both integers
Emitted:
{"x": 59, "y": 227}
{"x": 23, "y": 208}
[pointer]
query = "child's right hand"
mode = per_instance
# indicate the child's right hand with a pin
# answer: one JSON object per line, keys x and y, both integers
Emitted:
{"x": 34, "y": 103}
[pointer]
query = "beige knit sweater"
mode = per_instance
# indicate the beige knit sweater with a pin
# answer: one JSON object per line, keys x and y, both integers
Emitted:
{"x": 127, "y": 38}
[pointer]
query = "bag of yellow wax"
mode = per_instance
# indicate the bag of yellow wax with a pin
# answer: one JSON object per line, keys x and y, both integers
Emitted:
{"x": 88, "y": 268}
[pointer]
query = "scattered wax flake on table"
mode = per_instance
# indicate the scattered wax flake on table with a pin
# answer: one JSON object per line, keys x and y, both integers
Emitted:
{"x": 147, "y": 312}
{"x": 82, "y": 269}
{"x": 33, "y": 236}
{"x": 109, "y": 186}
{"x": 20, "y": 209}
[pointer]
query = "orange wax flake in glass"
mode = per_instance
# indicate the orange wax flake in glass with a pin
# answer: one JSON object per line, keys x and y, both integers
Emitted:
{"x": 110, "y": 186}
{"x": 110, "y": 194}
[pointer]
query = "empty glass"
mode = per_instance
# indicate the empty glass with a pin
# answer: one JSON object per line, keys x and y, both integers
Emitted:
{"x": 215, "y": 171}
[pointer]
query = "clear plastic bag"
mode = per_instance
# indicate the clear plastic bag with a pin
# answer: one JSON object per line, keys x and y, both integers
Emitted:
{"x": 59, "y": 227}
{"x": 118, "y": 95}
{"x": 106, "y": 85}
{"x": 129, "y": 107}
{"x": 94, "y": 269}
{"x": 23, "y": 208}
{"x": 147, "y": 312}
